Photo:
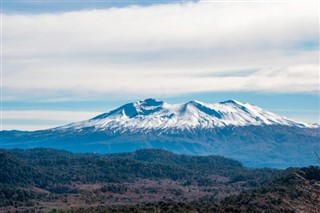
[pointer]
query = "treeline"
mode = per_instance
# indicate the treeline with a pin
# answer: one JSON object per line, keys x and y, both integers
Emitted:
{"x": 47, "y": 167}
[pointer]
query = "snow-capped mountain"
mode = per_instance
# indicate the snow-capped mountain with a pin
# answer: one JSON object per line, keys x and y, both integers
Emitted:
{"x": 242, "y": 131}
{"x": 154, "y": 114}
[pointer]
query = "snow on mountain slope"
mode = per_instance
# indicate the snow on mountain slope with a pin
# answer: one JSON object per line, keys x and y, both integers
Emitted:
{"x": 155, "y": 114}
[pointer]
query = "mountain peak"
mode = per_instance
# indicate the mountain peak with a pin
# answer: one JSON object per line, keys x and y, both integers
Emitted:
{"x": 150, "y": 102}
{"x": 195, "y": 102}
{"x": 232, "y": 101}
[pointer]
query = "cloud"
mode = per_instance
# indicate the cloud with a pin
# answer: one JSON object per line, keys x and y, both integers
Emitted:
{"x": 26, "y": 127}
{"x": 41, "y": 119}
{"x": 162, "y": 50}
{"x": 177, "y": 26}
{"x": 49, "y": 114}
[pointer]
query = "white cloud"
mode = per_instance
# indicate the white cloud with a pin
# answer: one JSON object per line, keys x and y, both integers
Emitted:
{"x": 49, "y": 115}
{"x": 41, "y": 119}
{"x": 26, "y": 127}
{"x": 163, "y": 49}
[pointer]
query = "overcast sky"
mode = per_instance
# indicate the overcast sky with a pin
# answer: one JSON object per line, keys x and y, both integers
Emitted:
{"x": 66, "y": 61}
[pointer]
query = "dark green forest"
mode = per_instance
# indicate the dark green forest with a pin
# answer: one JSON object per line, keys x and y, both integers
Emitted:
{"x": 57, "y": 180}
{"x": 46, "y": 168}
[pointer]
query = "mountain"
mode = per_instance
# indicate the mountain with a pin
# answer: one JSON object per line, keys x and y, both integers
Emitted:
{"x": 242, "y": 131}
{"x": 154, "y": 114}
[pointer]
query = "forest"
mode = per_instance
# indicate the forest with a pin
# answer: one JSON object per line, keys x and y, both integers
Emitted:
{"x": 148, "y": 180}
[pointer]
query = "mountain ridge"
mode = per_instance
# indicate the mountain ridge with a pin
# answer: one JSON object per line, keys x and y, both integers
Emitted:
{"x": 155, "y": 114}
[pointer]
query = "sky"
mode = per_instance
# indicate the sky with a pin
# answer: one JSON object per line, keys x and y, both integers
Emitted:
{"x": 66, "y": 61}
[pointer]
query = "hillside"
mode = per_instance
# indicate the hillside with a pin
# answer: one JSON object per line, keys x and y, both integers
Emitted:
{"x": 297, "y": 190}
